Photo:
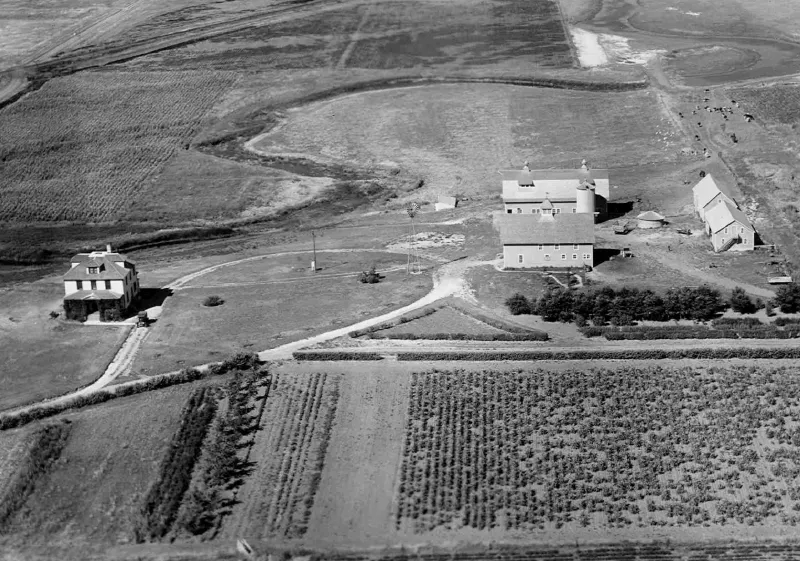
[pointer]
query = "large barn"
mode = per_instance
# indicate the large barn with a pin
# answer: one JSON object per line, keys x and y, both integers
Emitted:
{"x": 547, "y": 240}
{"x": 567, "y": 191}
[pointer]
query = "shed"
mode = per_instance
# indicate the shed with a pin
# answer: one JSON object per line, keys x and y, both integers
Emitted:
{"x": 650, "y": 219}
{"x": 446, "y": 203}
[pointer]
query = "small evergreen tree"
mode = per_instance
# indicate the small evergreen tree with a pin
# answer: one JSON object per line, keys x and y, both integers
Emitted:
{"x": 518, "y": 305}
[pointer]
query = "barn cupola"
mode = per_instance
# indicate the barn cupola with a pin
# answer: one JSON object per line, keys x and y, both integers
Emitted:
{"x": 547, "y": 206}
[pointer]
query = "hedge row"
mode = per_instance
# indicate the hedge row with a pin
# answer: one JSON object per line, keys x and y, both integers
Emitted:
{"x": 704, "y": 334}
{"x": 782, "y": 321}
{"x": 166, "y": 494}
{"x": 530, "y": 336}
{"x": 240, "y": 361}
{"x": 736, "y": 321}
{"x": 45, "y": 449}
{"x": 609, "y": 354}
{"x": 394, "y": 323}
{"x": 335, "y": 355}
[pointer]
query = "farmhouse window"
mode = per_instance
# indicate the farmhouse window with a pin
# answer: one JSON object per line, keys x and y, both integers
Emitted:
{"x": 541, "y": 247}
{"x": 741, "y": 230}
{"x": 563, "y": 256}
{"x": 519, "y": 210}
{"x": 587, "y": 255}
{"x": 519, "y": 258}
{"x": 557, "y": 246}
{"x": 79, "y": 285}
{"x": 108, "y": 285}
{"x": 94, "y": 285}
{"x": 723, "y": 241}
{"x": 726, "y": 229}
{"x": 574, "y": 256}
{"x": 93, "y": 270}
{"x": 574, "y": 210}
{"x": 547, "y": 257}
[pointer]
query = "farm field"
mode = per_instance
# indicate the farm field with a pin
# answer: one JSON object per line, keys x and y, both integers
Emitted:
{"x": 255, "y": 317}
{"x": 582, "y": 452}
{"x": 85, "y": 147}
{"x": 93, "y": 492}
{"x": 29, "y": 340}
{"x": 13, "y": 448}
{"x": 457, "y": 136}
{"x": 288, "y": 453}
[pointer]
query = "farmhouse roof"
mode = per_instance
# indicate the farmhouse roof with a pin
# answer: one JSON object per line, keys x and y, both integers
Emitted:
{"x": 706, "y": 189}
{"x": 650, "y": 215}
{"x": 724, "y": 214}
{"x": 93, "y": 295}
{"x": 107, "y": 268}
{"x": 532, "y": 229}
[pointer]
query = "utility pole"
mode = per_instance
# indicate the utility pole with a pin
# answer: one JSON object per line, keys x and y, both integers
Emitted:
{"x": 314, "y": 242}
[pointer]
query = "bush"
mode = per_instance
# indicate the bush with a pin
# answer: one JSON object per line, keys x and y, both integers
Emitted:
{"x": 335, "y": 355}
{"x": 54, "y": 314}
{"x": 737, "y": 322}
{"x": 111, "y": 314}
{"x": 518, "y": 305}
{"x": 370, "y": 277}
{"x": 740, "y": 302}
{"x": 213, "y": 300}
{"x": 531, "y": 336}
{"x": 787, "y": 321}
{"x": 768, "y": 309}
{"x": 788, "y": 298}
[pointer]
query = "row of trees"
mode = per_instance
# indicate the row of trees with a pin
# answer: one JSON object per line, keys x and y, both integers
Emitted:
{"x": 626, "y": 305}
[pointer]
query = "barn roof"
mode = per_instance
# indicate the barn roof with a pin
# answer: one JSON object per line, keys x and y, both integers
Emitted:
{"x": 108, "y": 268}
{"x": 529, "y": 177}
{"x": 532, "y": 229}
{"x": 93, "y": 295}
{"x": 650, "y": 215}
{"x": 706, "y": 189}
{"x": 724, "y": 214}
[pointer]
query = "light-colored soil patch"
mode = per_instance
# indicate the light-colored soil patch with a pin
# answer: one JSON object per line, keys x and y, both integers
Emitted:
{"x": 590, "y": 53}
{"x": 42, "y": 357}
{"x": 93, "y": 493}
{"x": 354, "y": 501}
{"x": 444, "y": 320}
{"x": 427, "y": 240}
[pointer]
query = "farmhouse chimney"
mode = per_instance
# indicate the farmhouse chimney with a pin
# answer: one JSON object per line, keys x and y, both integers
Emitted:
{"x": 108, "y": 248}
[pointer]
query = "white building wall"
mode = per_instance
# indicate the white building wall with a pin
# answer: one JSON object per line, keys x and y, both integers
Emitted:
{"x": 547, "y": 255}
{"x": 70, "y": 287}
{"x": 735, "y": 229}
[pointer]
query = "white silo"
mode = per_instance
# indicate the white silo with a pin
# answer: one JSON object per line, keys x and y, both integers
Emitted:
{"x": 584, "y": 196}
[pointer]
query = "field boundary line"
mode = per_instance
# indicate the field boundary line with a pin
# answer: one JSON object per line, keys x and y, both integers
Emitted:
{"x": 355, "y": 37}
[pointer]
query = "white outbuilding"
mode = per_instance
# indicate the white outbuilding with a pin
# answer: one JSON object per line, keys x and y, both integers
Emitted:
{"x": 650, "y": 219}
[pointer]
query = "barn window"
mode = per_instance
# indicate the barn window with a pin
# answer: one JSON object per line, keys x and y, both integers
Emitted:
{"x": 574, "y": 246}
{"x": 519, "y": 210}
{"x": 546, "y": 211}
{"x": 519, "y": 258}
{"x": 574, "y": 210}
{"x": 509, "y": 211}
{"x": 541, "y": 247}
{"x": 557, "y": 210}
{"x": 547, "y": 257}
{"x": 563, "y": 256}
{"x": 587, "y": 256}
{"x": 574, "y": 256}
{"x": 557, "y": 246}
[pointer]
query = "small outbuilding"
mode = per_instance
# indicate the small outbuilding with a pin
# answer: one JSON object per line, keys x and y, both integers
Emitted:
{"x": 650, "y": 219}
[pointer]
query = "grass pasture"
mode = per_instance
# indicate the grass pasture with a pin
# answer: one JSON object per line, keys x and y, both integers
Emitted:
{"x": 85, "y": 147}
{"x": 443, "y": 320}
{"x": 13, "y": 448}
{"x": 602, "y": 450}
{"x": 260, "y": 315}
{"x": 457, "y": 136}
{"x": 41, "y": 357}
{"x": 94, "y": 491}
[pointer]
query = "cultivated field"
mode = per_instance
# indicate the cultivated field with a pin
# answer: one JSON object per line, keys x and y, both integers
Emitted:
{"x": 457, "y": 136}
{"x": 288, "y": 455}
{"x": 13, "y": 447}
{"x": 638, "y": 448}
{"x": 260, "y": 315}
{"x": 29, "y": 340}
{"x": 93, "y": 493}
{"x": 84, "y": 147}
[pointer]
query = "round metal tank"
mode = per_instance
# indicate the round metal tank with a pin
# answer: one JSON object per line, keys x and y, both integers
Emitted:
{"x": 585, "y": 198}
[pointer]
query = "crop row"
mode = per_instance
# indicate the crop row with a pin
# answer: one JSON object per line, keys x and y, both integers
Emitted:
{"x": 532, "y": 336}
{"x": 290, "y": 451}
{"x": 165, "y": 495}
{"x": 607, "y": 354}
{"x": 84, "y": 146}
{"x": 647, "y": 447}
